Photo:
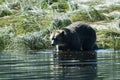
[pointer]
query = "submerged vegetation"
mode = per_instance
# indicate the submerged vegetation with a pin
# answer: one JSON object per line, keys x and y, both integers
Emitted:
{"x": 26, "y": 24}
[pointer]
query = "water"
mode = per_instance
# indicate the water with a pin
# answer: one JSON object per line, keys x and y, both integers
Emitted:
{"x": 47, "y": 65}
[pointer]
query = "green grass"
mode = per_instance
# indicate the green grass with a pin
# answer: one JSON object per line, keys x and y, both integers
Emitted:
{"x": 26, "y": 24}
{"x": 90, "y": 15}
{"x": 109, "y": 38}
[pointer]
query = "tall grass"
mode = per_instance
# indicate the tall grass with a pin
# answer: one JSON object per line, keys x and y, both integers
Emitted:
{"x": 110, "y": 38}
{"x": 33, "y": 41}
{"x": 6, "y": 36}
{"x": 5, "y": 11}
{"x": 36, "y": 41}
{"x": 112, "y": 41}
{"x": 59, "y": 22}
{"x": 26, "y": 24}
{"x": 87, "y": 15}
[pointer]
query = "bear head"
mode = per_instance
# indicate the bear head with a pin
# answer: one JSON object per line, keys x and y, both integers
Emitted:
{"x": 56, "y": 37}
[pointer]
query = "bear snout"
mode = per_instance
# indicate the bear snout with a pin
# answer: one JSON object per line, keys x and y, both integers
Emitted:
{"x": 53, "y": 43}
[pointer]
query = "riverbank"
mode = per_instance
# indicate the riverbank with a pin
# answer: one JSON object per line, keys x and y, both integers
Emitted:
{"x": 27, "y": 24}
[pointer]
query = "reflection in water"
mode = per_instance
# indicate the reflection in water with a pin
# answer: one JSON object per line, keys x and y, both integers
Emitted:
{"x": 25, "y": 66}
{"x": 77, "y": 65}
{"x": 46, "y": 65}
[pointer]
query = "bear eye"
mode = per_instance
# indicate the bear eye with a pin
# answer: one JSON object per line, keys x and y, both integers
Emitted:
{"x": 52, "y": 38}
{"x": 55, "y": 39}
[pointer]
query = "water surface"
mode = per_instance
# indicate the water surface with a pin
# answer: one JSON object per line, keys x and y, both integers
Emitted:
{"x": 48, "y": 65}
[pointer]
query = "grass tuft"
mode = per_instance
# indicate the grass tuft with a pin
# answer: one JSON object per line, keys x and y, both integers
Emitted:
{"x": 35, "y": 41}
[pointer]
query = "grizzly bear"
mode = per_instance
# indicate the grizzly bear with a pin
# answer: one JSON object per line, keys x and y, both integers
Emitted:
{"x": 75, "y": 37}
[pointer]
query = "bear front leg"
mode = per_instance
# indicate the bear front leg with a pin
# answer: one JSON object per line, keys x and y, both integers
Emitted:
{"x": 61, "y": 48}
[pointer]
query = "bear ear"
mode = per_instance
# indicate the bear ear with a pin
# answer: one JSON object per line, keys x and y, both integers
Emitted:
{"x": 62, "y": 32}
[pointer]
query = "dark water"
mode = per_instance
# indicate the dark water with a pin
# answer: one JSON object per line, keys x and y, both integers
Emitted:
{"x": 47, "y": 65}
